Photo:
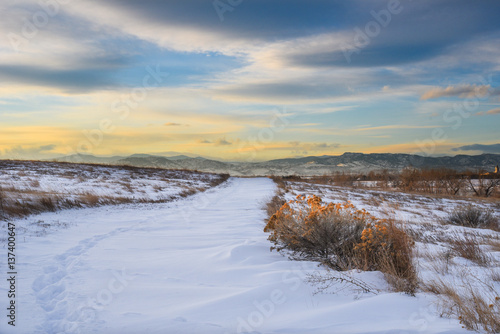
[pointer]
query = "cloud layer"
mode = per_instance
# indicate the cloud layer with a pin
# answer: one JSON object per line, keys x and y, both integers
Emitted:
{"x": 356, "y": 75}
{"x": 491, "y": 148}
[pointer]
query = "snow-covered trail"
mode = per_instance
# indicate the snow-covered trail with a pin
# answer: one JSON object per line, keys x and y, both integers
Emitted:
{"x": 200, "y": 265}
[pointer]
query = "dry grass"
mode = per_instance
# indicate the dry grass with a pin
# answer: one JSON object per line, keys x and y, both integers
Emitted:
{"x": 375, "y": 200}
{"x": 89, "y": 199}
{"x": 428, "y": 233}
{"x": 495, "y": 275}
{"x": 468, "y": 248}
{"x": 34, "y": 183}
{"x": 219, "y": 180}
{"x": 280, "y": 182}
{"x": 340, "y": 280}
{"x": 475, "y": 311}
{"x": 473, "y": 300}
{"x": 494, "y": 245}
{"x": 387, "y": 247}
{"x": 276, "y": 202}
{"x": 21, "y": 192}
{"x": 441, "y": 261}
{"x": 473, "y": 216}
{"x": 188, "y": 192}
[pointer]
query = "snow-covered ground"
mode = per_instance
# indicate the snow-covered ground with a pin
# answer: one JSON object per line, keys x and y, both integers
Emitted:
{"x": 407, "y": 207}
{"x": 438, "y": 245}
{"x": 197, "y": 265}
{"x": 35, "y": 186}
{"x": 79, "y": 179}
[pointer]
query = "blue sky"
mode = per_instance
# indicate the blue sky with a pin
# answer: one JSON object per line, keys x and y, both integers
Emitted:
{"x": 249, "y": 80}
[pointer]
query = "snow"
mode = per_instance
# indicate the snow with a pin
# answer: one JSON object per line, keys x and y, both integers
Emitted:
{"x": 201, "y": 264}
{"x": 29, "y": 180}
{"x": 423, "y": 218}
{"x": 385, "y": 204}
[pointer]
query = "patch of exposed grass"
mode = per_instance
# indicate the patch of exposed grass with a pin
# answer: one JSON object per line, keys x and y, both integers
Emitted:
{"x": 473, "y": 216}
{"x": 476, "y": 311}
{"x": 468, "y": 248}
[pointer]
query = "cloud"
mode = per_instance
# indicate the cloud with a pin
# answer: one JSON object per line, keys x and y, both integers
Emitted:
{"x": 81, "y": 80}
{"x": 324, "y": 146}
{"x": 222, "y": 142}
{"x": 23, "y": 152}
{"x": 439, "y": 149}
{"x": 463, "y": 91}
{"x": 297, "y": 147}
{"x": 372, "y": 56}
{"x": 491, "y": 148}
{"x": 419, "y": 32}
{"x": 313, "y": 148}
{"x": 396, "y": 127}
{"x": 317, "y": 88}
{"x": 493, "y": 111}
{"x": 194, "y": 25}
{"x": 293, "y": 55}
{"x": 46, "y": 148}
{"x": 489, "y": 112}
{"x": 328, "y": 110}
{"x": 305, "y": 86}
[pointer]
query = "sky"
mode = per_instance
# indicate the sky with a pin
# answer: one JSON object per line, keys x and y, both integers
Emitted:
{"x": 249, "y": 79}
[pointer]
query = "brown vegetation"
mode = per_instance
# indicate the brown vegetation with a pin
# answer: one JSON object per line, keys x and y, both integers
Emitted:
{"x": 437, "y": 181}
{"x": 475, "y": 311}
{"x": 473, "y": 216}
{"x": 458, "y": 263}
{"x": 468, "y": 248}
{"x": 342, "y": 238}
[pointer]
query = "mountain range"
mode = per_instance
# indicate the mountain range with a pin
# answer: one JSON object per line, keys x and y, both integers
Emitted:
{"x": 307, "y": 166}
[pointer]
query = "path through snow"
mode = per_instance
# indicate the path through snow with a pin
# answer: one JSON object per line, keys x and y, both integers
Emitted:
{"x": 200, "y": 265}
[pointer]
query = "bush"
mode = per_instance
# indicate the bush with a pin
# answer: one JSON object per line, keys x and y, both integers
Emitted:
{"x": 342, "y": 237}
{"x": 311, "y": 230}
{"x": 387, "y": 248}
{"x": 472, "y": 216}
{"x": 275, "y": 204}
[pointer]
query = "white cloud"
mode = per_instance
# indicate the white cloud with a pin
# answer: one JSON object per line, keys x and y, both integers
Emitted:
{"x": 463, "y": 91}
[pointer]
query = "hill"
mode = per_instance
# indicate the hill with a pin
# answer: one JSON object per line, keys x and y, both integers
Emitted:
{"x": 312, "y": 165}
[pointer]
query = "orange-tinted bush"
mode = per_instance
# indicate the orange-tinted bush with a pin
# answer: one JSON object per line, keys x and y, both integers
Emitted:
{"x": 312, "y": 230}
{"x": 386, "y": 247}
{"x": 343, "y": 237}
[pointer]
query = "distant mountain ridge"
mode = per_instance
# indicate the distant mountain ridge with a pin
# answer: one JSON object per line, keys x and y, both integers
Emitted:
{"x": 312, "y": 165}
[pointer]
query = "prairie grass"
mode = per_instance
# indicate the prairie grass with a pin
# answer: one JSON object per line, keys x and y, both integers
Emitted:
{"x": 476, "y": 311}
{"x": 473, "y": 216}
{"x": 23, "y": 193}
{"x": 468, "y": 247}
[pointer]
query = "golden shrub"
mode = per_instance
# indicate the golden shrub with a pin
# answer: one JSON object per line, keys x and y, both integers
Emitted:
{"x": 343, "y": 237}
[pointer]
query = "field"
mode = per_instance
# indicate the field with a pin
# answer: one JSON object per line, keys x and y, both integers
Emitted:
{"x": 165, "y": 251}
{"x": 460, "y": 265}
{"x": 28, "y": 187}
